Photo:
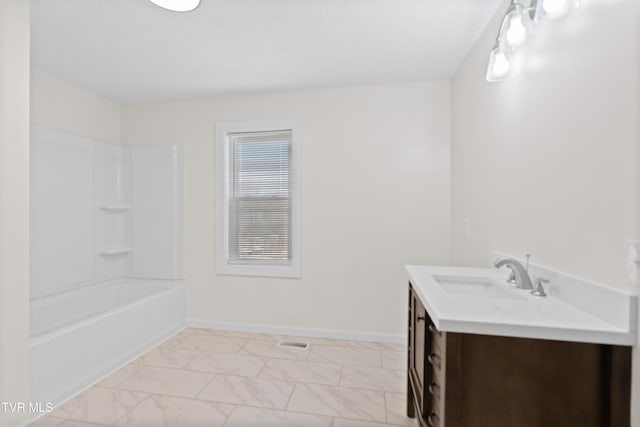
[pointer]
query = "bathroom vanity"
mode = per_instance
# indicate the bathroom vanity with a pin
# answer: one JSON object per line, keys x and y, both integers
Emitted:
{"x": 483, "y": 354}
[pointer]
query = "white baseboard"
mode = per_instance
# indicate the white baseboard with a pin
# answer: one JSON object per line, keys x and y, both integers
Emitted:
{"x": 300, "y": 332}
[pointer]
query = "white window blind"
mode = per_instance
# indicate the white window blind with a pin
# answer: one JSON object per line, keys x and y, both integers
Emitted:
{"x": 259, "y": 202}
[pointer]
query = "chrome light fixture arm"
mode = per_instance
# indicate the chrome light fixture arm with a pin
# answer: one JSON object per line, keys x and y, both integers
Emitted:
{"x": 515, "y": 28}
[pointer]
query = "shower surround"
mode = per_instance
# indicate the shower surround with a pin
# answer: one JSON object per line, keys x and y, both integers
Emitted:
{"x": 106, "y": 257}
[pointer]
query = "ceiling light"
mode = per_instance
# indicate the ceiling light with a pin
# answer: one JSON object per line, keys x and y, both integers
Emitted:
{"x": 177, "y": 5}
{"x": 499, "y": 65}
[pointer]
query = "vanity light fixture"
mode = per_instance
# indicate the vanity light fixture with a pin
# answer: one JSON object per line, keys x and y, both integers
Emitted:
{"x": 555, "y": 8}
{"x": 516, "y": 27}
{"x": 499, "y": 64}
{"x": 177, "y": 5}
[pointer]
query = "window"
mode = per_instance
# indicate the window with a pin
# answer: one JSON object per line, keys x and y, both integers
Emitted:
{"x": 258, "y": 199}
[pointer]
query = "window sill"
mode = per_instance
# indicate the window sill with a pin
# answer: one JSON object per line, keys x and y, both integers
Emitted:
{"x": 286, "y": 272}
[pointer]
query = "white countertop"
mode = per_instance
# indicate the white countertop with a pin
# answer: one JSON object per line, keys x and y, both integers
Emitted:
{"x": 521, "y": 314}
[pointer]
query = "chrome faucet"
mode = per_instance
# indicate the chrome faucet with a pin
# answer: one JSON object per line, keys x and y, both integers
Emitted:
{"x": 520, "y": 274}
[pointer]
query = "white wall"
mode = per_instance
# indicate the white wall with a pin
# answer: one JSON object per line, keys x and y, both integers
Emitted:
{"x": 61, "y": 106}
{"x": 375, "y": 196}
{"x": 14, "y": 204}
{"x": 547, "y": 161}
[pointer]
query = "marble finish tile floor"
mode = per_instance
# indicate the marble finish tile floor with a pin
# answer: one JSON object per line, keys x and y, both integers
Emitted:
{"x": 213, "y": 378}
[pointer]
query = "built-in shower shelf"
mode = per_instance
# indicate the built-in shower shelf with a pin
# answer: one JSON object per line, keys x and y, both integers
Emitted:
{"x": 115, "y": 208}
{"x": 114, "y": 251}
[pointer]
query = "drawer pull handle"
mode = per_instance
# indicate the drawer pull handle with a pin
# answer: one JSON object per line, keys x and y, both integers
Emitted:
{"x": 434, "y": 390}
{"x": 434, "y": 330}
{"x": 420, "y": 318}
{"x": 434, "y": 360}
{"x": 431, "y": 419}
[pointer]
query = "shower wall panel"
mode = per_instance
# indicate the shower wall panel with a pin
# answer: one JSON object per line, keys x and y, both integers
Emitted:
{"x": 158, "y": 180}
{"x": 101, "y": 212}
{"x": 61, "y": 212}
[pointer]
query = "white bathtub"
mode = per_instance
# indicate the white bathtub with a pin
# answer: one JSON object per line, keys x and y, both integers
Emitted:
{"x": 78, "y": 337}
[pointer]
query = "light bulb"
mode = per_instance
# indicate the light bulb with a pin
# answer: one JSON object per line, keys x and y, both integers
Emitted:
{"x": 516, "y": 33}
{"x": 177, "y": 5}
{"x": 499, "y": 65}
{"x": 555, "y": 8}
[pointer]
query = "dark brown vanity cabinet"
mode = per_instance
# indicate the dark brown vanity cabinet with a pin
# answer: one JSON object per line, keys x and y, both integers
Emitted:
{"x": 472, "y": 380}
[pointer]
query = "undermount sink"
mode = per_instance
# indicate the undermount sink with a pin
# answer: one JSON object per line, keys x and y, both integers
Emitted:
{"x": 476, "y": 286}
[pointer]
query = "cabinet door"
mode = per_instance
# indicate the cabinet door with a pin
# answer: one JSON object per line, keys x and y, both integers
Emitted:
{"x": 420, "y": 342}
{"x": 417, "y": 332}
{"x": 507, "y": 381}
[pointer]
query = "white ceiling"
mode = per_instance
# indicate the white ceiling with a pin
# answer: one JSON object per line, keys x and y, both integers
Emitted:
{"x": 133, "y": 51}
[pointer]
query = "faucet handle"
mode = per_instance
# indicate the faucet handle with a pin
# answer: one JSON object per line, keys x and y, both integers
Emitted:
{"x": 512, "y": 276}
{"x": 539, "y": 289}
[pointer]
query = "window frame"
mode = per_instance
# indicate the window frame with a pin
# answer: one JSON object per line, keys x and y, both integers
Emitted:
{"x": 222, "y": 152}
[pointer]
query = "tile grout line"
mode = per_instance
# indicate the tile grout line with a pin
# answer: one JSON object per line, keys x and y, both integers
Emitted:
{"x": 130, "y": 410}
{"x": 378, "y": 392}
{"x": 264, "y": 365}
{"x": 205, "y": 386}
{"x": 386, "y": 410}
{"x": 295, "y": 385}
{"x": 308, "y": 352}
{"x": 286, "y": 411}
{"x": 241, "y": 348}
{"x": 229, "y": 416}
